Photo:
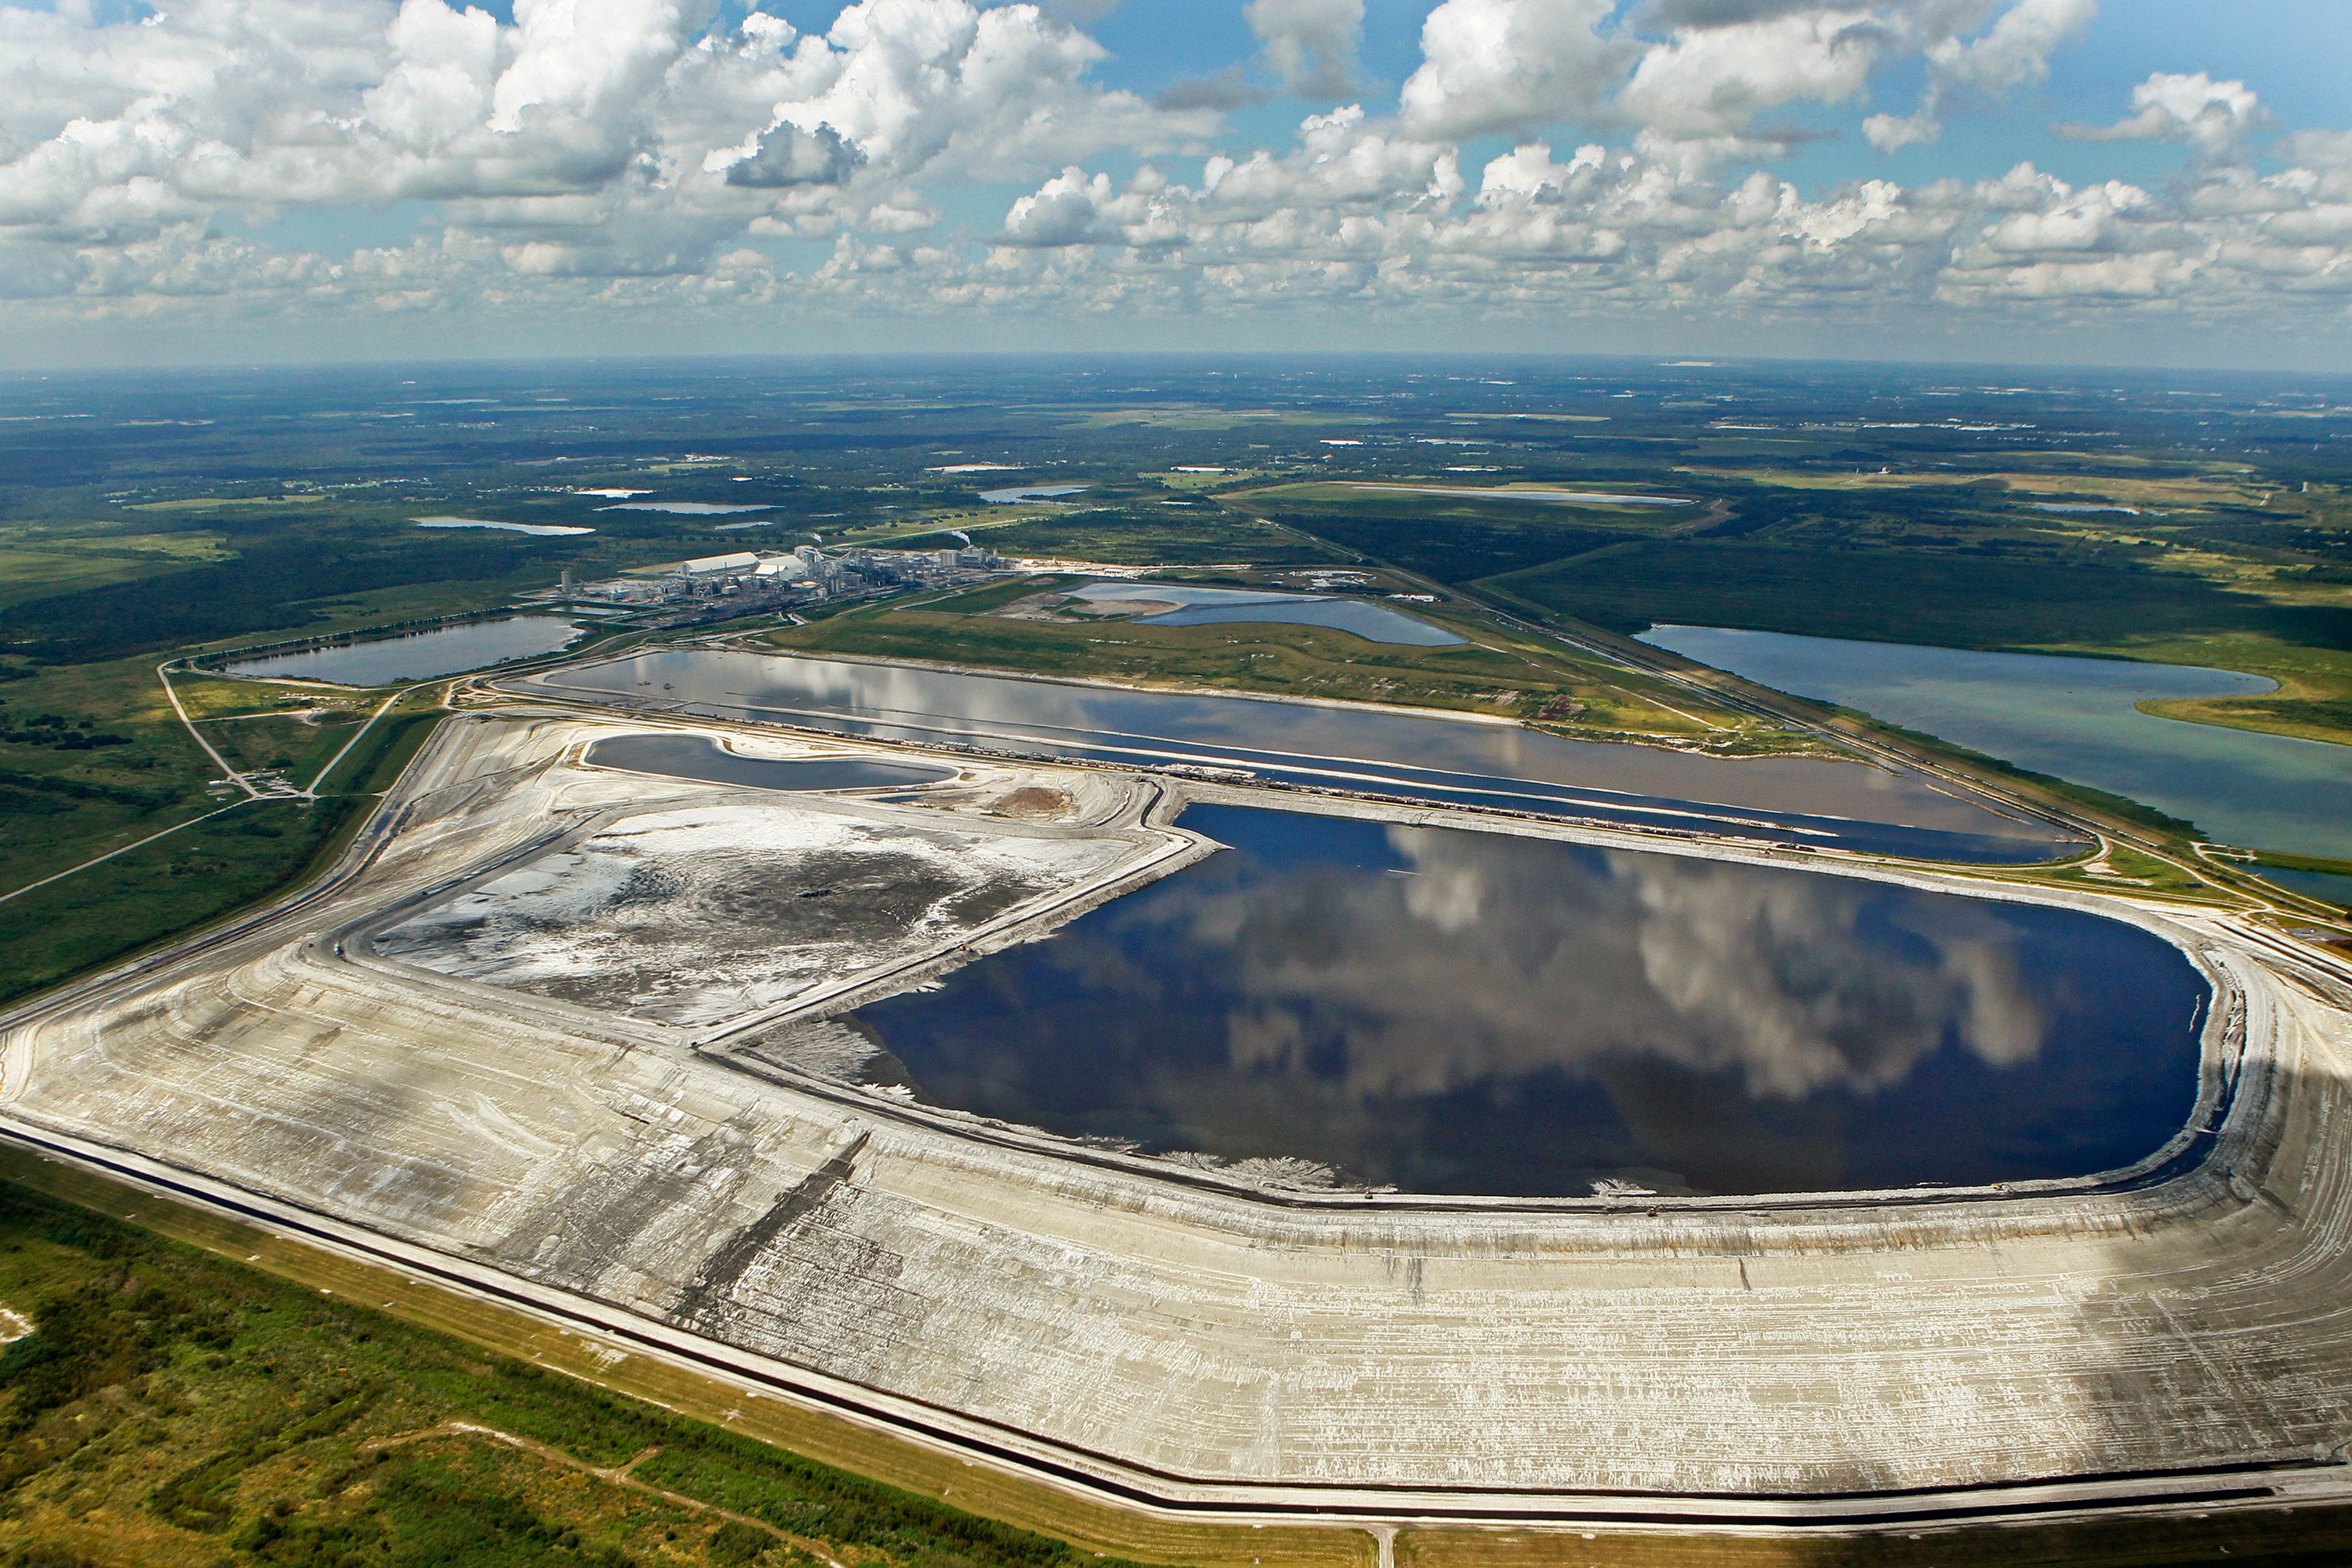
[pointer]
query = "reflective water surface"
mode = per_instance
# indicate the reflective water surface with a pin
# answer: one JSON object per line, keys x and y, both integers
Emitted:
{"x": 1017, "y": 494}
{"x": 1214, "y": 606}
{"x": 1450, "y": 761}
{"x": 2325, "y": 886}
{"x": 537, "y": 530}
{"x": 1467, "y": 1013}
{"x": 701, "y": 758}
{"x": 419, "y": 656}
{"x": 2074, "y": 718}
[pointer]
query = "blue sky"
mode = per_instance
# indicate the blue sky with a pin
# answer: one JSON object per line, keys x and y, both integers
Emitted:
{"x": 2033, "y": 179}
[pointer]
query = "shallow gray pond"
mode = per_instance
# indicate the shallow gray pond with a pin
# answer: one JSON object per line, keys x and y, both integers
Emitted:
{"x": 1402, "y": 756}
{"x": 700, "y": 758}
{"x": 1017, "y": 494}
{"x": 1214, "y": 606}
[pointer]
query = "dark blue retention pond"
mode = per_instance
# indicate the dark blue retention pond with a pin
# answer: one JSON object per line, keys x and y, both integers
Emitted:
{"x": 1452, "y": 1012}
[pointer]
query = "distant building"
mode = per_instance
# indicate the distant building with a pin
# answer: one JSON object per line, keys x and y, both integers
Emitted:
{"x": 706, "y": 565}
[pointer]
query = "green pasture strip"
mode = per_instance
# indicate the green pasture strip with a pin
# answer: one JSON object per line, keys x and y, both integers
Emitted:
{"x": 33, "y": 573}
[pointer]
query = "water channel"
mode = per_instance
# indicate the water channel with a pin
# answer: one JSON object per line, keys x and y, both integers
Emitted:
{"x": 1215, "y": 606}
{"x": 1465, "y": 761}
{"x": 1454, "y": 1012}
{"x": 2075, "y": 719}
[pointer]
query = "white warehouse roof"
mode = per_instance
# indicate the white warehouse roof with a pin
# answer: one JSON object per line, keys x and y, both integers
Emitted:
{"x": 742, "y": 559}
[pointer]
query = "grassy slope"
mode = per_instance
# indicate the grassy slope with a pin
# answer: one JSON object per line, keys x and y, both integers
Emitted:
{"x": 2314, "y": 701}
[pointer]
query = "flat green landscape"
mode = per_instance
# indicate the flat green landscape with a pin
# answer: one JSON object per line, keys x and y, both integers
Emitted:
{"x": 176, "y": 1407}
{"x": 1902, "y": 597}
{"x": 2198, "y": 562}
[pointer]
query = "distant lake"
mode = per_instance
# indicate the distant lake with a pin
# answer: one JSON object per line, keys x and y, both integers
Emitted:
{"x": 418, "y": 656}
{"x": 537, "y": 529}
{"x": 1564, "y": 497}
{"x": 2073, "y": 718}
{"x": 684, "y": 507}
{"x": 1019, "y": 494}
{"x": 1455, "y": 1011}
{"x": 1410, "y": 755}
{"x": 1210, "y": 606}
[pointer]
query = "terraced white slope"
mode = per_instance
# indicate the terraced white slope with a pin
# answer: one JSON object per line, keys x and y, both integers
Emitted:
{"x": 1195, "y": 1340}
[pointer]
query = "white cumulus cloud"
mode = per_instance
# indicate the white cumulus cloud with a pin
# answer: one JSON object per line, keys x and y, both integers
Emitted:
{"x": 631, "y": 154}
{"x": 2214, "y": 117}
{"x": 1511, "y": 65}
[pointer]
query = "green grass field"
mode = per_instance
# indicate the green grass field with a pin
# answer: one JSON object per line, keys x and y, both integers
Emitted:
{"x": 196, "y": 875}
{"x": 33, "y": 573}
{"x": 1452, "y": 539}
{"x": 1149, "y": 534}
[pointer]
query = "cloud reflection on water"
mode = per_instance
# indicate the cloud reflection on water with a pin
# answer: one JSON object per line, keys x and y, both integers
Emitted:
{"x": 1807, "y": 800}
{"x": 1469, "y": 1011}
{"x": 1485, "y": 961}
